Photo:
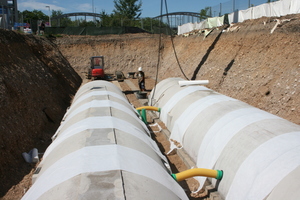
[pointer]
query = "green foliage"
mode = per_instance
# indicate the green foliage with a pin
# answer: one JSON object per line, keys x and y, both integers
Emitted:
{"x": 128, "y": 9}
{"x": 153, "y": 22}
{"x": 83, "y": 23}
{"x": 120, "y": 17}
{"x": 114, "y": 20}
{"x": 34, "y": 15}
{"x": 109, "y": 20}
{"x": 151, "y": 25}
{"x": 205, "y": 13}
{"x": 63, "y": 22}
{"x": 56, "y": 13}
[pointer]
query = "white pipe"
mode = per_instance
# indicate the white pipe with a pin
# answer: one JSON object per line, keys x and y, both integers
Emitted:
{"x": 197, "y": 82}
{"x": 32, "y": 156}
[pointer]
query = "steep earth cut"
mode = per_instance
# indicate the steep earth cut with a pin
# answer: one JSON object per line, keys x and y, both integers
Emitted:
{"x": 36, "y": 86}
{"x": 247, "y": 63}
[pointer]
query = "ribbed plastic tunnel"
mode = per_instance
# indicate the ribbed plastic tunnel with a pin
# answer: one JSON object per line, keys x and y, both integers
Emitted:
{"x": 258, "y": 152}
{"x": 102, "y": 150}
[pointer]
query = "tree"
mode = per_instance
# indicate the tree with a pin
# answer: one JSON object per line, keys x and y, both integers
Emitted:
{"x": 56, "y": 13}
{"x": 84, "y": 23}
{"x": 108, "y": 20}
{"x": 34, "y": 15}
{"x": 204, "y": 13}
{"x": 149, "y": 24}
{"x": 62, "y": 22}
{"x": 128, "y": 9}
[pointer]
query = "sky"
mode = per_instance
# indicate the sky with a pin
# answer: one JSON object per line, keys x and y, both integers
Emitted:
{"x": 150, "y": 8}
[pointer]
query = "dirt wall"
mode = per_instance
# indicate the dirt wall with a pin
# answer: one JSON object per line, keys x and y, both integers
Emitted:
{"x": 36, "y": 85}
{"x": 247, "y": 63}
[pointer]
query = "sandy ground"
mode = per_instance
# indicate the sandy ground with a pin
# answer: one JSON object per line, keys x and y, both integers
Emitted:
{"x": 245, "y": 61}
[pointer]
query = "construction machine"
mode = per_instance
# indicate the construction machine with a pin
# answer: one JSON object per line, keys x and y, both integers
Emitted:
{"x": 96, "y": 70}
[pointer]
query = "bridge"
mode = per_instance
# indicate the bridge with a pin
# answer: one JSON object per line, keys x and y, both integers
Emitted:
{"x": 76, "y": 14}
{"x": 178, "y": 18}
{"x": 85, "y": 14}
{"x": 175, "y": 18}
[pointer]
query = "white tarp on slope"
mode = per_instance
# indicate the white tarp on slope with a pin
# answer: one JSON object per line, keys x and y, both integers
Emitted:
{"x": 215, "y": 22}
{"x": 295, "y": 6}
{"x": 274, "y": 9}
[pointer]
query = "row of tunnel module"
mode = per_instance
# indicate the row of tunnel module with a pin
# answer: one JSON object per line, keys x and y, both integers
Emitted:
{"x": 258, "y": 151}
{"x": 104, "y": 149}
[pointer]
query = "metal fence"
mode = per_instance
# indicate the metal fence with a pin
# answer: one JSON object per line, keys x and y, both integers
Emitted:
{"x": 175, "y": 20}
{"x": 102, "y": 30}
{"x": 233, "y": 5}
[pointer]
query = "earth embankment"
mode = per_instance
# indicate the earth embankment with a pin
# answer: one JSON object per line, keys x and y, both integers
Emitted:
{"x": 36, "y": 86}
{"x": 245, "y": 62}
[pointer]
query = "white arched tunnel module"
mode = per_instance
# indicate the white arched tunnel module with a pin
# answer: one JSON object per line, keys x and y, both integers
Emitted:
{"x": 258, "y": 152}
{"x": 102, "y": 150}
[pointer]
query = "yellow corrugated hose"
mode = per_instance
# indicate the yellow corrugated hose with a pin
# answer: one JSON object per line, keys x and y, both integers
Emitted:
{"x": 217, "y": 174}
{"x": 149, "y": 108}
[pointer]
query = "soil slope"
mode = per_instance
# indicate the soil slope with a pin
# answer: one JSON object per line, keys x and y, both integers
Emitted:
{"x": 36, "y": 86}
{"x": 247, "y": 63}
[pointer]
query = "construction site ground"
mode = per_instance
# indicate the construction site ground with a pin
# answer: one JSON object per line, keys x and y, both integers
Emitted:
{"x": 39, "y": 77}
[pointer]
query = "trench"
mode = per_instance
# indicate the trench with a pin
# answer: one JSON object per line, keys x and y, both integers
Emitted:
{"x": 262, "y": 72}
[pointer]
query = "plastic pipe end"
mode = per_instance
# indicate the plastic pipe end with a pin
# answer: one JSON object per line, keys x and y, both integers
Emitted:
{"x": 219, "y": 174}
{"x": 174, "y": 176}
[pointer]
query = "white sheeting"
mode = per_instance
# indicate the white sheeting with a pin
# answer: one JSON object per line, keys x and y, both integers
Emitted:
{"x": 222, "y": 132}
{"x": 159, "y": 90}
{"x": 101, "y": 123}
{"x": 100, "y": 104}
{"x": 78, "y": 159}
{"x": 215, "y": 21}
{"x": 279, "y": 154}
{"x": 209, "y": 141}
{"x": 186, "y": 28}
{"x": 96, "y": 86}
{"x": 101, "y": 159}
{"x": 81, "y": 97}
{"x": 176, "y": 98}
{"x": 295, "y": 6}
{"x": 274, "y": 9}
{"x": 187, "y": 117}
{"x": 98, "y": 93}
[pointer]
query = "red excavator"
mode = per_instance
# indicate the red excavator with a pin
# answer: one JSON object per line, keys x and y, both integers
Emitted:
{"x": 96, "y": 70}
